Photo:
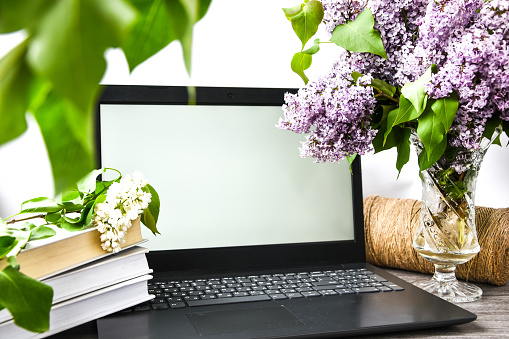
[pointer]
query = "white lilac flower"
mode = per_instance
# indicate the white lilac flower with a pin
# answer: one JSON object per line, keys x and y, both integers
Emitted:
{"x": 125, "y": 200}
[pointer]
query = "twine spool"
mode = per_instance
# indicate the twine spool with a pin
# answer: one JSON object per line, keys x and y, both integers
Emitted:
{"x": 390, "y": 225}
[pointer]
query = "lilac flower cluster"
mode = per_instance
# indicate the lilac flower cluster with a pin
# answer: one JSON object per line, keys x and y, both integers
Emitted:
{"x": 467, "y": 40}
{"x": 335, "y": 112}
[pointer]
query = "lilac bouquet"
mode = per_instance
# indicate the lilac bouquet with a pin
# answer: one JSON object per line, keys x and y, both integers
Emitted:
{"x": 436, "y": 70}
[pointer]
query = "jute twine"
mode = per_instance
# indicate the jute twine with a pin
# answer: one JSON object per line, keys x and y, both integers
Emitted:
{"x": 390, "y": 225}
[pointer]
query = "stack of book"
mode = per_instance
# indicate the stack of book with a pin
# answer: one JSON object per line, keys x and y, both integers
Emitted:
{"x": 88, "y": 283}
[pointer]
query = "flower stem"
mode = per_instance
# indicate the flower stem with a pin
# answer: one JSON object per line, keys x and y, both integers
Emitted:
{"x": 13, "y": 221}
{"x": 380, "y": 93}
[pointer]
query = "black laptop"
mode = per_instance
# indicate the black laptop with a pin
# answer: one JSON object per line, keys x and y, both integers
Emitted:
{"x": 255, "y": 241}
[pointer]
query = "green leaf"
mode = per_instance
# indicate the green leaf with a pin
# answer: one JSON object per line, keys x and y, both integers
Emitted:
{"x": 7, "y": 243}
{"x": 151, "y": 213}
{"x": 301, "y": 62}
{"x": 14, "y": 263}
{"x": 88, "y": 183}
{"x": 159, "y": 23}
{"x": 28, "y": 300}
{"x": 431, "y": 131}
{"x": 21, "y": 226}
{"x": 40, "y": 205}
{"x": 491, "y": 125}
{"x": 404, "y": 113}
{"x": 69, "y": 195}
{"x": 359, "y": 35}
{"x": 69, "y": 44}
{"x": 70, "y": 159}
{"x": 41, "y": 232}
{"x": 356, "y": 75}
{"x": 92, "y": 204}
{"x": 305, "y": 19}
{"x": 427, "y": 160}
{"x": 313, "y": 49}
{"x": 399, "y": 138}
{"x": 445, "y": 109}
{"x": 350, "y": 159}
{"x": 72, "y": 207}
{"x": 403, "y": 150}
{"x": 15, "y": 78}
{"x": 72, "y": 227}
{"x": 22, "y": 234}
{"x": 383, "y": 87}
{"x": 377, "y": 84}
{"x": 18, "y": 14}
{"x": 416, "y": 92}
{"x": 53, "y": 218}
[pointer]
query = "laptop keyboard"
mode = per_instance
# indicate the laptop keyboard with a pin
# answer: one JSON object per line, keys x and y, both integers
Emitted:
{"x": 226, "y": 290}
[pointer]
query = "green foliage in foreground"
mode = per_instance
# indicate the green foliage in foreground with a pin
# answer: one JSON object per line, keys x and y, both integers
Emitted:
{"x": 54, "y": 73}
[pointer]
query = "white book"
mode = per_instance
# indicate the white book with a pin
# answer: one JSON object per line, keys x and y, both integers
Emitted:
{"x": 125, "y": 265}
{"x": 87, "y": 307}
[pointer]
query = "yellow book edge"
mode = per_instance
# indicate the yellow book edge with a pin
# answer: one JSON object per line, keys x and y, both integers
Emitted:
{"x": 53, "y": 256}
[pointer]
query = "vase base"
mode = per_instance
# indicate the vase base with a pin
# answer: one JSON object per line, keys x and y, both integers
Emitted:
{"x": 455, "y": 291}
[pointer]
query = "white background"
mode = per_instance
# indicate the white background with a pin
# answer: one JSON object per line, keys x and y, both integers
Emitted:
{"x": 238, "y": 43}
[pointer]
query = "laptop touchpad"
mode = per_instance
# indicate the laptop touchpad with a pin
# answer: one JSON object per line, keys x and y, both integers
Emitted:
{"x": 237, "y": 320}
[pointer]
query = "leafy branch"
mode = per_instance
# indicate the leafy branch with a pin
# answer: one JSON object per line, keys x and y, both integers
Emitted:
{"x": 357, "y": 35}
{"x": 28, "y": 299}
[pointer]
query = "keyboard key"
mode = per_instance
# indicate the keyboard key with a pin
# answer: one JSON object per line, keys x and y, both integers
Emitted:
{"x": 240, "y": 294}
{"x": 193, "y": 297}
{"x": 308, "y": 294}
{"x": 157, "y": 301}
{"x": 328, "y": 287}
{"x": 325, "y": 283}
{"x": 207, "y": 296}
{"x": 377, "y": 277}
{"x": 171, "y": 294}
{"x": 160, "y": 306}
{"x": 278, "y": 296}
{"x": 328, "y": 292}
{"x": 366, "y": 290}
{"x": 393, "y": 286}
{"x": 178, "y": 304}
{"x": 220, "y": 301}
{"x": 142, "y": 307}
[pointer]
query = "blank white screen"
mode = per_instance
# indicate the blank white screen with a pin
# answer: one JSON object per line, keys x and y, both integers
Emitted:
{"x": 226, "y": 176}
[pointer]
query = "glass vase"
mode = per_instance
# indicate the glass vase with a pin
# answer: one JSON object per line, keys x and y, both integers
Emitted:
{"x": 447, "y": 233}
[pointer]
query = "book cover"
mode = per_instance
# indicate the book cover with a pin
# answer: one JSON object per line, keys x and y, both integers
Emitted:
{"x": 87, "y": 307}
{"x": 44, "y": 258}
{"x": 127, "y": 264}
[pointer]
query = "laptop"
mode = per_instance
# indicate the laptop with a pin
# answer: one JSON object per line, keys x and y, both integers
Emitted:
{"x": 255, "y": 241}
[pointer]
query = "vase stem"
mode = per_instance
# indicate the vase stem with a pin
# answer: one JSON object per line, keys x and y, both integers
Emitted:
{"x": 445, "y": 274}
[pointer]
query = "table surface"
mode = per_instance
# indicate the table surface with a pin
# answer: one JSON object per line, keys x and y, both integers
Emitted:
{"x": 492, "y": 312}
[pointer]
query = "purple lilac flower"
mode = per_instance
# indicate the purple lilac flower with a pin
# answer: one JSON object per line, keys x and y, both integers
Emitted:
{"x": 476, "y": 65}
{"x": 339, "y": 12}
{"x": 335, "y": 111}
{"x": 468, "y": 41}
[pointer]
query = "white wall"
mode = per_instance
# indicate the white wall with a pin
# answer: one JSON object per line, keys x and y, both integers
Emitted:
{"x": 238, "y": 43}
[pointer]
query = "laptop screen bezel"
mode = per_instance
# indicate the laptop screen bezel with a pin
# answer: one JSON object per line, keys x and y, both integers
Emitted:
{"x": 235, "y": 258}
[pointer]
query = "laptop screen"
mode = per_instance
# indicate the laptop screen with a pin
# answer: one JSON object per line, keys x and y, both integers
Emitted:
{"x": 225, "y": 175}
